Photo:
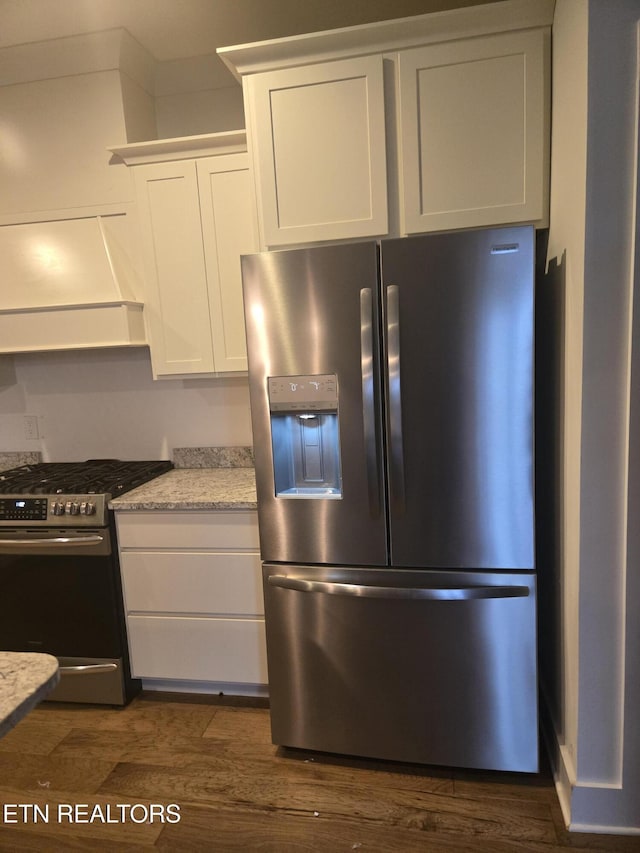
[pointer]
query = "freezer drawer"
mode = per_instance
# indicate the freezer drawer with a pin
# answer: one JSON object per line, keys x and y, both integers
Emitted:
{"x": 422, "y": 666}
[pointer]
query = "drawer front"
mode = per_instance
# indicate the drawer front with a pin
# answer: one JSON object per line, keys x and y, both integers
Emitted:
{"x": 220, "y": 529}
{"x": 167, "y": 582}
{"x": 198, "y": 649}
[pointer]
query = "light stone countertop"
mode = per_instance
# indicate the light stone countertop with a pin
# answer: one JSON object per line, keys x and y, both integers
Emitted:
{"x": 25, "y": 679}
{"x": 193, "y": 489}
{"x": 15, "y": 458}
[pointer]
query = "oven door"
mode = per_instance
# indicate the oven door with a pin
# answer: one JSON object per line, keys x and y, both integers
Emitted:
{"x": 61, "y": 595}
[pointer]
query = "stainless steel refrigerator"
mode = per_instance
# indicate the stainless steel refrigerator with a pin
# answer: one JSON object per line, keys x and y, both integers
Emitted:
{"x": 392, "y": 406}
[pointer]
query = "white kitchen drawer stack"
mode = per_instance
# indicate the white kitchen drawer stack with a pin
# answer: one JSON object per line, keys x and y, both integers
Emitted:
{"x": 193, "y": 596}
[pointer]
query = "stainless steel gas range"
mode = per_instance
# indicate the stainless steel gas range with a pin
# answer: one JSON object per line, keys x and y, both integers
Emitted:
{"x": 60, "y": 588}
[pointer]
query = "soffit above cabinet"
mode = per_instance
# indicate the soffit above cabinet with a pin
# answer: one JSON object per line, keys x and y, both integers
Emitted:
{"x": 87, "y": 53}
{"x": 386, "y": 36}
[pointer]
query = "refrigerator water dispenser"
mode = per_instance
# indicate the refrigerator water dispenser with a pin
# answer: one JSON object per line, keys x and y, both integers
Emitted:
{"x": 305, "y": 436}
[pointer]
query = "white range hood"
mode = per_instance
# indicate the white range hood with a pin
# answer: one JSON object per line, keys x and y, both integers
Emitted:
{"x": 68, "y": 284}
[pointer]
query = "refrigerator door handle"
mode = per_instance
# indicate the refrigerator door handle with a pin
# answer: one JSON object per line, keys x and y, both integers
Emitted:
{"x": 368, "y": 400}
{"x": 434, "y": 593}
{"x": 396, "y": 454}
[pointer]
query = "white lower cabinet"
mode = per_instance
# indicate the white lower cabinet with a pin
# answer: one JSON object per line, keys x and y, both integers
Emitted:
{"x": 198, "y": 649}
{"x": 192, "y": 589}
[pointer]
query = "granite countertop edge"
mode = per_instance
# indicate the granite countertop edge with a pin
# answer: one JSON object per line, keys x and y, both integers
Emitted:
{"x": 25, "y": 680}
{"x": 193, "y": 489}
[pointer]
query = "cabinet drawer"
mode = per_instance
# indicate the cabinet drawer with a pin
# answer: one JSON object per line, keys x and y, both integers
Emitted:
{"x": 220, "y": 583}
{"x": 198, "y": 649}
{"x": 218, "y": 529}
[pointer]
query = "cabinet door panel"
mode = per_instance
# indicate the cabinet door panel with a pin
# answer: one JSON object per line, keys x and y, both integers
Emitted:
{"x": 195, "y": 583}
{"x": 474, "y": 132}
{"x": 198, "y": 649}
{"x": 177, "y": 307}
{"x": 230, "y": 229}
{"x": 172, "y": 530}
{"x": 319, "y": 141}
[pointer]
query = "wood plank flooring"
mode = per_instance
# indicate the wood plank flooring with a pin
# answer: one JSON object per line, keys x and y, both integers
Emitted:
{"x": 213, "y": 757}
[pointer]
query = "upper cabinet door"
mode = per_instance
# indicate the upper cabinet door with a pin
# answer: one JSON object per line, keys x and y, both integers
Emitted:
{"x": 197, "y": 217}
{"x": 229, "y": 229}
{"x": 177, "y": 304}
{"x": 474, "y": 131}
{"x": 318, "y": 138}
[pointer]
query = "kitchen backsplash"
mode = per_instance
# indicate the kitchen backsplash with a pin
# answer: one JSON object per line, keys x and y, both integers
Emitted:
{"x": 105, "y": 404}
{"x": 213, "y": 457}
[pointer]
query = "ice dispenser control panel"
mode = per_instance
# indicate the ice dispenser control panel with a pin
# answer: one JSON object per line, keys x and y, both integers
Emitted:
{"x": 303, "y": 393}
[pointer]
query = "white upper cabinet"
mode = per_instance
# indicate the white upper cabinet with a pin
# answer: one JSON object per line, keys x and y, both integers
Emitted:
{"x": 197, "y": 216}
{"x": 177, "y": 303}
{"x": 433, "y": 122}
{"x": 319, "y": 151}
{"x": 229, "y": 229}
{"x": 473, "y": 131}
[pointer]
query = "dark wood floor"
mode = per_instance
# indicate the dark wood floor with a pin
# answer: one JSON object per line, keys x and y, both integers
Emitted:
{"x": 236, "y": 791}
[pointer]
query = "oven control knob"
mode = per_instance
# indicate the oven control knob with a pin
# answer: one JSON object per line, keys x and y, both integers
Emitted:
{"x": 72, "y": 507}
{"x": 87, "y": 508}
{"x": 57, "y": 507}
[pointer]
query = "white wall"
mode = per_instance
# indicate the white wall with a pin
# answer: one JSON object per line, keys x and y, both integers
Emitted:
{"x": 567, "y": 246}
{"x": 62, "y": 102}
{"x": 192, "y": 113}
{"x": 189, "y": 98}
{"x": 104, "y": 403}
{"x": 606, "y": 794}
{"x": 53, "y": 138}
{"x": 592, "y": 235}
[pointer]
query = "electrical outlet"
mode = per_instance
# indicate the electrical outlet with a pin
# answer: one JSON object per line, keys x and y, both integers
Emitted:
{"x": 31, "y": 427}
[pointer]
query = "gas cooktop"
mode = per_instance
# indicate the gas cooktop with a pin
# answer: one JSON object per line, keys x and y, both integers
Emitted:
{"x": 82, "y": 489}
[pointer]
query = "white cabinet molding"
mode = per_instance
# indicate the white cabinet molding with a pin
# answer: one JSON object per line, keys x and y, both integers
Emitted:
{"x": 383, "y": 36}
{"x": 181, "y": 148}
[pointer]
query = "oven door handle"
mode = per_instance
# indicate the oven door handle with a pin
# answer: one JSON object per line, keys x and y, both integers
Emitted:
{"x": 88, "y": 668}
{"x": 93, "y": 539}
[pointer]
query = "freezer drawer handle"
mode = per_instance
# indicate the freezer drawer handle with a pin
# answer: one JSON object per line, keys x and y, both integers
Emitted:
{"x": 396, "y": 456}
{"x": 88, "y": 669}
{"x": 368, "y": 402}
{"x": 435, "y": 593}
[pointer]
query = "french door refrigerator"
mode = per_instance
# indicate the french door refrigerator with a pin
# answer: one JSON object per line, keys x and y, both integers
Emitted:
{"x": 391, "y": 393}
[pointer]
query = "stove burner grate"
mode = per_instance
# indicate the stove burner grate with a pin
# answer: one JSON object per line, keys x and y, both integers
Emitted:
{"x": 95, "y": 476}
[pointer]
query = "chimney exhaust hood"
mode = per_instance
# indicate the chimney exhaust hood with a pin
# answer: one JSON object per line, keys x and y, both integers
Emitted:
{"x": 68, "y": 284}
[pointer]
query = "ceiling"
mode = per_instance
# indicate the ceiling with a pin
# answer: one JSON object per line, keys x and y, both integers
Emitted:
{"x": 177, "y": 29}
